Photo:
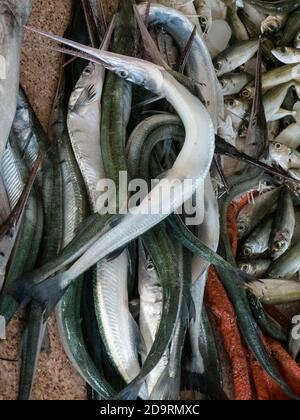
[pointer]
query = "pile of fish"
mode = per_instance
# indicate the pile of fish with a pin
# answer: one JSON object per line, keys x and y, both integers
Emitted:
{"x": 152, "y": 302}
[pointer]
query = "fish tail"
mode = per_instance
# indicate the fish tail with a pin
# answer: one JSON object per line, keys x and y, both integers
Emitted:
{"x": 198, "y": 382}
{"x": 32, "y": 343}
{"x": 131, "y": 392}
{"x": 167, "y": 387}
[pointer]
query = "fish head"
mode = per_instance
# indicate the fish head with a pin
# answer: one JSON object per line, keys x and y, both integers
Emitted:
{"x": 270, "y": 25}
{"x": 279, "y": 153}
{"x": 246, "y": 266}
{"x": 278, "y": 249}
{"x": 227, "y": 84}
{"x": 243, "y": 224}
{"x": 247, "y": 250}
{"x": 140, "y": 72}
{"x": 221, "y": 66}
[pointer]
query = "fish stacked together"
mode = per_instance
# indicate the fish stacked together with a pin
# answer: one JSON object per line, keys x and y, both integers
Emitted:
{"x": 146, "y": 307}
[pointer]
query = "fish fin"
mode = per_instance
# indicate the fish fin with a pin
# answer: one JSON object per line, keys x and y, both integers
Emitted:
{"x": 131, "y": 392}
{"x": 192, "y": 381}
{"x": 87, "y": 96}
{"x": 167, "y": 388}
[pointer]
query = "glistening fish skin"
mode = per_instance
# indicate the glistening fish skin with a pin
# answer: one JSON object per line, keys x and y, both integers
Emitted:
{"x": 284, "y": 225}
{"x": 253, "y": 213}
{"x": 287, "y": 265}
{"x": 257, "y": 242}
{"x": 234, "y": 56}
{"x": 195, "y": 119}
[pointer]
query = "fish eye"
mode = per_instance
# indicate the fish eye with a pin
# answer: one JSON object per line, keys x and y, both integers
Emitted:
{"x": 241, "y": 228}
{"x": 222, "y": 82}
{"x": 245, "y": 267}
{"x": 203, "y": 21}
{"x": 123, "y": 74}
{"x": 246, "y": 251}
{"x": 277, "y": 146}
{"x": 150, "y": 266}
{"x": 218, "y": 66}
{"x": 245, "y": 93}
{"x": 231, "y": 102}
{"x": 278, "y": 245}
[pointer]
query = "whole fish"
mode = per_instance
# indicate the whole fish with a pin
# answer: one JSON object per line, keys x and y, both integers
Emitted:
{"x": 257, "y": 242}
{"x": 161, "y": 83}
{"x": 234, "y": 56}
{"x": 284, "y": 156}
{"x": 257, "y": 267}
{"x": 284, "y": 225}
{"x": 253, "y": 213}
{"x": 287, "y": 265}
{"x": 287, "y": 55}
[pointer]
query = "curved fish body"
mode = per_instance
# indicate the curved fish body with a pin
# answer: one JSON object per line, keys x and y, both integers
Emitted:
{"x": 193, "y": 162}
{"x": 274, "y": 98}
{"x": 199, "y": 65}
{"x": 151, "y": 306}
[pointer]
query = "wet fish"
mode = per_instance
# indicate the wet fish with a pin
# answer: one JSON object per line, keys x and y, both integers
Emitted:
{"x": 284, "y": 156}
{"x": 234, "y": 56}
{"x": 258, "y": 241}
{"x": 284, "y": 225}
{"x": 233, "y": 83}
{"x": 290, "y": 136}
{"x": 256, "y": 267}
{"x": 287, "y": 55}
{"x": 287, "y": 265}
{"x": 253, "y": 213}
{"x": 276, "y": 292}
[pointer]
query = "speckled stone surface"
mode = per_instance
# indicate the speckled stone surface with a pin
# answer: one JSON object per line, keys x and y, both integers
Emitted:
{"x": 56, "y": 378}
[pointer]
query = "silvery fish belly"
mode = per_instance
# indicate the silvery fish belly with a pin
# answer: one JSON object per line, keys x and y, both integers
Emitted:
{"x": 13, "y": 14}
